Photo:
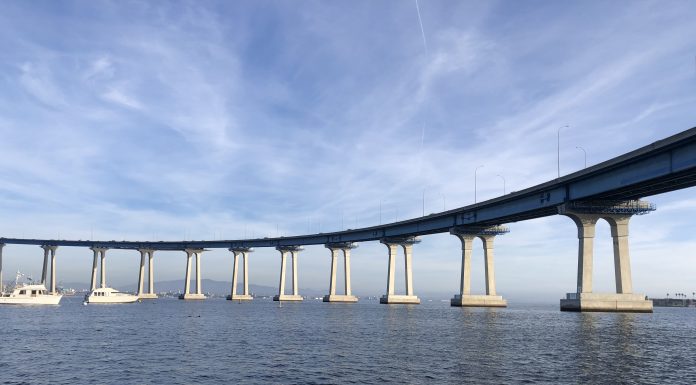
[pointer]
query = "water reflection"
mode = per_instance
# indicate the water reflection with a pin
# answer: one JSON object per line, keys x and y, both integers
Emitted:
{"x": 588, "y": 342}
{"x": 607, "y": 349}
{"x": 480, "y": 344}
{"x": 365, "y": 343}
{"x": 628, "y": 348}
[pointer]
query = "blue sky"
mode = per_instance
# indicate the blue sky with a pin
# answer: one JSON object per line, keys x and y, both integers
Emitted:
{"x": 201, "y": 120}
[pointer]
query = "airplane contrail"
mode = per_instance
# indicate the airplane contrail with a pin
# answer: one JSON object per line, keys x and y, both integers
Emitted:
{"x": 425, "y": 45}
{"x": 420, "y": 21}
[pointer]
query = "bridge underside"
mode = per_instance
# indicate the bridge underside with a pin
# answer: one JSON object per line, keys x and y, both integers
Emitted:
{"x": 609, "y": 190}
{"x": 663, "y": 166}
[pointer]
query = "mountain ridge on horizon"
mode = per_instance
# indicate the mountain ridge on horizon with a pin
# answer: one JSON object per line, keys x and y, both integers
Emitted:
{"x": 209, "y": 286}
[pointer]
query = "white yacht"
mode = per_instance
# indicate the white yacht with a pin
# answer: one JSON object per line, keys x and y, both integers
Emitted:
{"x": 109, "y": 295}
{"x": 29, "y": 293}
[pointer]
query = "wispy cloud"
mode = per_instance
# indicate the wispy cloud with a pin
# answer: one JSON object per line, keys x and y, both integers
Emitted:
{"x": 118, "y": 97}
{"x": 190, "y": 119}
{"x": 37, "y": 82}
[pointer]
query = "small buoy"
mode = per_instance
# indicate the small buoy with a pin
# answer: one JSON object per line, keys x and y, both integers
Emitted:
{"x": 84, "y": 303}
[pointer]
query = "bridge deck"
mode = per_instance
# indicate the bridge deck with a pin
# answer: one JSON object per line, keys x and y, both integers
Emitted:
{"x": 666, "y": 165}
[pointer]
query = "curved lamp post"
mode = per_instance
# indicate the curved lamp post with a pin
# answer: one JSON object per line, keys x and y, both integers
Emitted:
{"x": 584, "y": 152}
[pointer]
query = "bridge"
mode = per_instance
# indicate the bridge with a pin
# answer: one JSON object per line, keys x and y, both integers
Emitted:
{"x": 610, "y": 190}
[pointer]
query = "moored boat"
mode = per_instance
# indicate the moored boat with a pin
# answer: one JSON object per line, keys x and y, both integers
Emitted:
{"x": 109, "y": 295}
{"x": 29, "y": 293}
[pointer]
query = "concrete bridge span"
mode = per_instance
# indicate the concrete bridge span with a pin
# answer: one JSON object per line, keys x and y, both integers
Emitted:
{"x": 610, "y": 189}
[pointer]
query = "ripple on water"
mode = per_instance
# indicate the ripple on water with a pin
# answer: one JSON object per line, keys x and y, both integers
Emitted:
{"x": 176, "y": 342}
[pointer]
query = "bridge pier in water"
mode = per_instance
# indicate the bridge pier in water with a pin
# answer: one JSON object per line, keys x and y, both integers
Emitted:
{"x": 345, "y": 248}
{"x": 244, "y": 252}
{"x": 187, "y": 284}
{"x": 294, "y": 252}
{"x": 2, "y": 286}
{"x": 467, "y": 235}
{"x": 617, "y": 214}
{"x": 98, "y": 251}
{"x": 146, "y": 254}
{"x": 49, "y": 250}
{"x": 393, "y": 245}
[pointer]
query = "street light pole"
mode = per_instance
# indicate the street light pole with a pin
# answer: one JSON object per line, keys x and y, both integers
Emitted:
{"x": 558, "y": 149}
{"x": 584, "y": 152}
{"x": 475, "y": 177}
{"x": 423, "y": 202}
{"x": 503, "y": 178}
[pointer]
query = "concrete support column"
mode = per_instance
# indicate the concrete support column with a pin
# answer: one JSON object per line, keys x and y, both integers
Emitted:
{"x": 98, "y": 251}
{"x": 294, "y": 252}
{"x": 2, "y": 287}
{"x": 187, "y": 282}
{"x": 489, "y": 265}
{"x": 103, "y": 268}
{"x": 146, "y": 255}
{"x": 622, "y": 260}
{"x": 234, "y": 274}
{"x": 49, "y": 251}
{"x": 295, "y": 283}
{"x": 245, "y": 254}
{"x": 95, "y": 262}
{"x": 187, "y": 285}
{"x": 467, "y": 234}
{"x": 141, "y": 274}
{"x": 334, "y": 266}
{"x": 465, "y": 277}
{"x": 585, "y": 214}
{"x": 586, "y": 232}
{"x": 151, "y": 280}
{"x": 392, "y": 245}
{"x": 53, "y": 269}
{"x": 391, "y": 270}
{"x": 45, "y": 265}
{"x": 281, "y": 286}
{"x": 408, "y": 270}
{"x": 199, "y": 288}
{"x": 346, "y": 271}
{"x": 335, "y": 248}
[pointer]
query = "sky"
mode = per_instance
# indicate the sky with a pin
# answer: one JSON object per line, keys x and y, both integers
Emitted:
{"x": 226, "y": 120}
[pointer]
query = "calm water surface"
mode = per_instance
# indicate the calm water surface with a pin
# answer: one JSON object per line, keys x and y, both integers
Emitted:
{"x": 168, "y": 341}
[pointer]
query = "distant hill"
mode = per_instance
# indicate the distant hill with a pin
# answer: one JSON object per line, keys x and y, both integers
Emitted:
{"x": 79, "y": 286}
{"x": 209, "y": 286}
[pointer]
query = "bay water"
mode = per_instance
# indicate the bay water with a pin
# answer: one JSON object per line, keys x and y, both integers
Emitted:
{"x": 168, "y": 341}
